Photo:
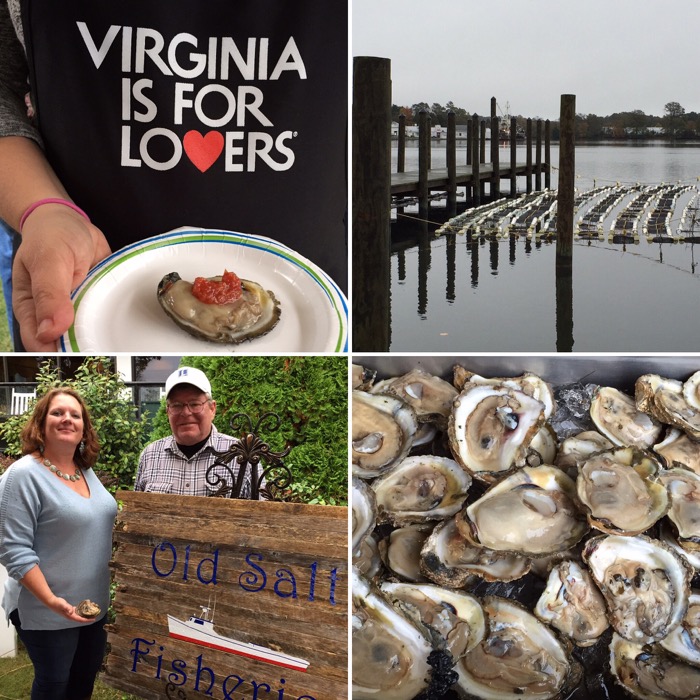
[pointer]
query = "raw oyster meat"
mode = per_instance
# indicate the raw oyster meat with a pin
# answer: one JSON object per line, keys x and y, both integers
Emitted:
{"x": 572, "y": 603}
{"x": 456, "y": 616}
{"x": 621, "y": 491}
{"x": 664, "y": 399}
{"x": 652, "y": 674}
{"x": 389, "y": 652}
{"x": 684, "y": 640}
{"x": 253, "y": 314}
{"x": 678, "y": 450}
{"x": 401, "y": 551}
{"x": 532, "y": 512}
{"x": 684, "y": 490}
{"x": 430, "y": 396}
{"x": 491, "y": 428}
{"x": 616, "y": 416}
{"x": 383, "y": 430}
{"x": 450, "y": 560}
{"x": 520, "y": 657}
{"x": 420, "y": 488}
{"x": 645, "y": 584}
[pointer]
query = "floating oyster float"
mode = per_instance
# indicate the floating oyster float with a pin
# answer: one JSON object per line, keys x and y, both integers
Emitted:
{"x": 253, "y": 313}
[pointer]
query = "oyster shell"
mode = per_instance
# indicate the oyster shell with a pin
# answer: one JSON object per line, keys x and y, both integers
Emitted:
{"x": 678, "y": 450}
{"x": 389, "y": 652}
{"x": 421, "y": 488}
{"x": 400, "y": 551}
{"x": 684, "y": 640}
{"x": 621, "y": 491}
{"x": 456, "y": 616}
{"x": 450, "y": 560}
{"x": 491, "y": 428}
{"x": 665, "y": 400}
{"x": 255, "y": 313}
{"x": 652, "y": 674}
{"x": 362, "y": 378}
{"x": 431, "y": 397}
{"x": 519, "y": 657}
{"x": 683, "y": 487}
{"x": 616, "y": 416}
{"x": 364, "y": 512}
{"x": 691, "y": 390}
{"x": 578, "y": 448}
{"x": 86, "y": 608}
{"x": 383, "y": 430}
{"x": 572, "y": 603}
{"x": 532, "y": 512}
{"x": 645, "y": 585}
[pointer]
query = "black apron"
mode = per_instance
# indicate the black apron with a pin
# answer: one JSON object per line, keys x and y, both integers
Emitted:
{"x": 204, "y": 113}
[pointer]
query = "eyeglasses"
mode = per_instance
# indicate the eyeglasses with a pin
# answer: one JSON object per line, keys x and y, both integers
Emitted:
{"x": 194, "y": 406}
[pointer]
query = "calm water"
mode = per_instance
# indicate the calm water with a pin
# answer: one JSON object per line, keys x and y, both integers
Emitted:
{"x": 460, "y": 294}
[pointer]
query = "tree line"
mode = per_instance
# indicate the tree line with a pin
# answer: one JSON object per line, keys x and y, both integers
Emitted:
{"x": 675, "y": 123}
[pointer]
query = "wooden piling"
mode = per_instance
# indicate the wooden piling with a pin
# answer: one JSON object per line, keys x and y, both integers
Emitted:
{"x": 371, "y": 203}
{"x": 495, "y": 160}
{"x": 423, "y": 161}
{"x": 401, "y": 154}
{"x": 513, "y": 155}
{"x": 547, "y": 154}
{"x": 476, "y": 183}
{"x": 567, "y": 176}
{"x": 565, "y": 225}
{"x": 482, "y": 156}
{"x": 451, "y": 160}
{"x": 538, "y": 155}
{"x": 528, "y": 156}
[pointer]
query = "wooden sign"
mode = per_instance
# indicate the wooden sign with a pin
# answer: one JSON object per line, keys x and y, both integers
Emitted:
{"x": 225, "y": 598}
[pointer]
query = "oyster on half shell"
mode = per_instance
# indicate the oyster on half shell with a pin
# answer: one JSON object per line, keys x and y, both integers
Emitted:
{"x": 519, "y": 657}
{"x": 491, "y": 428}
{"x": 532, "y": 512}
{"x": 255, "y": 313}
{"x": 649, "y": 673}
{"x": 389, "y": 651}
{"x": 645, "y": 584}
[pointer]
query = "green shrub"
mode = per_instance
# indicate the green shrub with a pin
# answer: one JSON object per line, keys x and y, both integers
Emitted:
{"x": 309, "y": 394}
{"x": 121, "y": 433}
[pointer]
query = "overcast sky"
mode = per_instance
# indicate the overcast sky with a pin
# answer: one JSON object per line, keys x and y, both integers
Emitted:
{"x": 614, "y": 55}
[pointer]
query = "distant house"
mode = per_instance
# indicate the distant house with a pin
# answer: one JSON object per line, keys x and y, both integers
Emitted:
{"x": 436, "y": 132}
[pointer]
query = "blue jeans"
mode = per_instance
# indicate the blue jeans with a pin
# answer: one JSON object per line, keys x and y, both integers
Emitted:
{"x": 65, "y": 661}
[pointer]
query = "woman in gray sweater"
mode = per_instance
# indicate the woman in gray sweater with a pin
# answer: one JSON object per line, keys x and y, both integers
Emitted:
{"x": 56, "y": 522}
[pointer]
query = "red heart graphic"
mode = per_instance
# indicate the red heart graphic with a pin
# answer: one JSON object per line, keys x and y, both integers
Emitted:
{"x": 203, "y": 150}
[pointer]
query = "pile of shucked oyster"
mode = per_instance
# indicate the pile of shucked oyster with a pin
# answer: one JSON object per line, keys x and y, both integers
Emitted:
{"x": 512, "y": 540}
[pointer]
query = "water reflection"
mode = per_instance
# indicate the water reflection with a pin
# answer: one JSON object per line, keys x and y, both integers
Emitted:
{"x": 514, "y": 292}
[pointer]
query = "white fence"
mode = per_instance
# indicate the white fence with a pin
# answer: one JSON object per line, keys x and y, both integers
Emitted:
{"x": 8, "y": 643}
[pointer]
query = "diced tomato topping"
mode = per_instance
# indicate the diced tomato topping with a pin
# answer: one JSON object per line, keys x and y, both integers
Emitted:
{"x": 223, "y": 291}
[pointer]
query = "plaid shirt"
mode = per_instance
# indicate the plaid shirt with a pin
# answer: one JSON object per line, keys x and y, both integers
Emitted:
{"x": 163, "y": 468}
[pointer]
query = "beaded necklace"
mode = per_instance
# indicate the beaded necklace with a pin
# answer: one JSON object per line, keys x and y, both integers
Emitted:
{"x": 63, "y": 475}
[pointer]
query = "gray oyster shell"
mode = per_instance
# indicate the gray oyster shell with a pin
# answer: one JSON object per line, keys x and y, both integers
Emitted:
{"x": 254, "y": 314}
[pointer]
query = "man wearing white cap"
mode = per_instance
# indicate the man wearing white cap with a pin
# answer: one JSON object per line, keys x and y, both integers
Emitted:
{"x": 178, "y": 463}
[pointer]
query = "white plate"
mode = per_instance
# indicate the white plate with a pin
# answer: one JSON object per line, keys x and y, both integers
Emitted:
{"x": 116, "y": 308}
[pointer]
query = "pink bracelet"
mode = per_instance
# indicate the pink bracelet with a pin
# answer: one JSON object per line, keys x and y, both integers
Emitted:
{"x": 50, "y": 200}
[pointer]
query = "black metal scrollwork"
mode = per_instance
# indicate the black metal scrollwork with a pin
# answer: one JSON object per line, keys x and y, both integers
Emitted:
{"x": 248, "y": 478}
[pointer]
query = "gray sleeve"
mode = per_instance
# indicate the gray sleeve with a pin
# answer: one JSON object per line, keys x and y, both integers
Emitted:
{"x": 19, "y": 506}
{"x": 13, "y": 82}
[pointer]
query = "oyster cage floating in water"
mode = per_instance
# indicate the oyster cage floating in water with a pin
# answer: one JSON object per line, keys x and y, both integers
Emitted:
{"x": 488, "y": 278}
{"x": 638, "y": 583}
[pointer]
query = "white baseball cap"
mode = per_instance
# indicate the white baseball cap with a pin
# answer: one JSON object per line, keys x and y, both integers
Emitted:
{"x": 188, "y": 375}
